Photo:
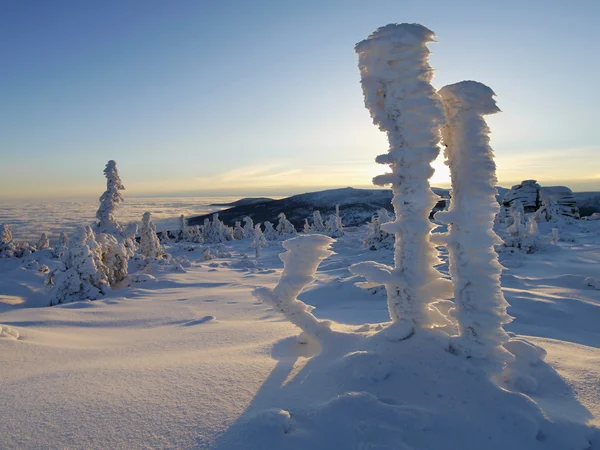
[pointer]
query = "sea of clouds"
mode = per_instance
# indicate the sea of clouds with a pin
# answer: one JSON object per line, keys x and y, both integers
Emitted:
{"x": 28, "y": 219}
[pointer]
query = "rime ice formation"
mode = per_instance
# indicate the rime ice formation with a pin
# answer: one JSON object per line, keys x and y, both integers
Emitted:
{"x": 395, "y": 77}
{"x": 300, "y": 262}
{"x": 480, "y": 307}
{"x": 109, "y": 201}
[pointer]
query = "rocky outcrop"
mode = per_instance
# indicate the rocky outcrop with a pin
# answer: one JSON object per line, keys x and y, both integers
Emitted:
{"x": 533, "y": 197}
{"x": 528, "y": 193}
{"x": 561, "y": 196}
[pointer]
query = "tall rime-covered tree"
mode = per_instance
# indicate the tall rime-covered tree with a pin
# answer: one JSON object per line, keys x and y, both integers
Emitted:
{"x": 480, "y": 307}
{"x": 110, "y": 200}
{"x": 396, "y": 81}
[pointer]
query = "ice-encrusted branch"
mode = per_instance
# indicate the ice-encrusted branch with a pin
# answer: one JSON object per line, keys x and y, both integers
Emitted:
{"x": 480, "y": 305}
{"x": 300, "y": 262}
{"x": 396, "y": 81}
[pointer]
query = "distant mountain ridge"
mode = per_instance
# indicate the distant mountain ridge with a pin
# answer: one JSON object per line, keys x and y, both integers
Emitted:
{"x": 357, "y": 206}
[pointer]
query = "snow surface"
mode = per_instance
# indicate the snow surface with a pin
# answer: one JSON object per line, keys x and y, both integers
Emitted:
{"x": 193, "y": 360}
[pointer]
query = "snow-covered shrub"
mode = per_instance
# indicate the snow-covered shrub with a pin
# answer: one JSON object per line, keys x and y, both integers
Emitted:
{"x": 318, "y": 225}
{"x": 84, "y": 275}
{"x": 259, "y": 241}
{"x": 270, "y": 233}
{"x": 114, "y": 257}
{"x": 8, "y": 248}
{"x": 43, "y": 243}
{"x": 306, "y": 228}
{"x": 334, "y": 227}
{"x": 248, "y": 227}
{"x": 396, "y": 81}
{"x": 150, "y": 246}
{"x": 109, "y": 201}
{"x": 480, "y": 306}
{"x": 238, "y": 231}
{"x": 300, "y": 262}
{"x": 164, "y": 237}
{"x": 284, "y": 227}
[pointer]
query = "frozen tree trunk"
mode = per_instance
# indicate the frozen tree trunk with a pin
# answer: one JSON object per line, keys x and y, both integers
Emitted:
{"x": 395, "y": 77}
{"x": 109, "y": 201}
{"x": 300, "y": 262}
{"x": 480, "y": 305}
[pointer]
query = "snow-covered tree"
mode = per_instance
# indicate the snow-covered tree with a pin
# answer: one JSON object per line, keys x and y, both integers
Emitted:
{"x": 43, "y": 243}
{"x": 300, "y": 262}
{"x": 522, "y": 233}
{"x": 334, "y": 227}
{"x": 238, "y": 231}
{"x": 318, "y": 225}
{"x": 306, "y": 228}
{"x": 258, "y": 241}
{"x": 164, "y": 237}
{"x": 84, "y": 275}
{"x": 284, "y": 227}
{"x": 114, "y": 257}
{"x": 149, "y": 243}
{"x": 5, "y": 234}
{"x": 480, "y": 307}
{"x": 216, "y": 232}
{"x": 248, "y": 227}
{"x": 396, "y": 81}
{"x": 270, "y": 233}
{"x": 8, "y": 248}
{"x": 109, "y": 201}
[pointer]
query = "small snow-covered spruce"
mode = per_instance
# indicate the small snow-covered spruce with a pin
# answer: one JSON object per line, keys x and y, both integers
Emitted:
{"x": 270, "y": 234}
{"x": 300, "y": 262}
{"x": 306, "y": 228}
{"x": 216, "y": 232}
{"x": 109, "y": 201}
{"x": 149, "y": 243}
{"x": 396, "y": 82}
{"x": 84, "y": 275}
{"x": 318, "y": 225}
{"x": 480, "y": 306}
{"x": 7, "y": 246}
{"x": 248, "y": 227}
{"x": 258, "y": 241}
{"x": 43, "y": 242}
{"x": 238, "y": 231}
{"x": 523, "y": 233}
{"x": 285, "y": 227}
{"x": 114, "y": 257}
{"x": 334, "y": 227}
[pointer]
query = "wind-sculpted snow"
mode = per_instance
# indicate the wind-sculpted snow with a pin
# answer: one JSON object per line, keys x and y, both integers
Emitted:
{"x": 480, "y": 307}
{"x": 300, "y": 262}
{"x": 395, "y": 77}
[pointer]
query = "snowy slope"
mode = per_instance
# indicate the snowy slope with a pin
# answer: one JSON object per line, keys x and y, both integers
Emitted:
{"x": 194, "y": 361}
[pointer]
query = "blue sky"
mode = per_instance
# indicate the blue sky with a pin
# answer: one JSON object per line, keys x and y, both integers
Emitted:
{"x": 263, "y": 97}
